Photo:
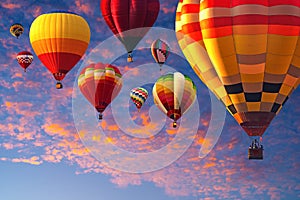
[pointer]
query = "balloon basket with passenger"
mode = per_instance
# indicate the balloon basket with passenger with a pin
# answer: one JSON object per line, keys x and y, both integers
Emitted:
{"x": 255, "y": 150}
{"x": 129, "y": 57}
{"x": 59, "y": 85}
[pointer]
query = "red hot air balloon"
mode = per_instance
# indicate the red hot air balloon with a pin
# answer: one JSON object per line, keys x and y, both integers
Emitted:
{"x": 24, "y": 58}
{"x": 100, "y": 84}
{"x": 124, "y": 15}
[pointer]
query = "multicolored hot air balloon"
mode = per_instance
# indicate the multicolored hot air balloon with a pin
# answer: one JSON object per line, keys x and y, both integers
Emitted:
{"x": 59, "y": 39}
{"x": 16, "y": 30}
{"x": 24, "y": 58}
{"x": 138, "y": 96}
{"x": 100, "y": 84}
{"x": 173, "y": 94}
{"x": 246, "y": 52}
{"x": 124, "y": 15}
{"x": 160, "y": 51}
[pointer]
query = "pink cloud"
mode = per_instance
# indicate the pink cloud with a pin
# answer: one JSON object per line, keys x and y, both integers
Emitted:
{"x": 34, "y": 160}
{"x": 36, "y": 11}
{"x": 168, "y": 10}
{"x": 224, "y": 173}
{"x": 22, "y": 108}
{"x": 10, "y": 6}
{"x": 83, "y": 7}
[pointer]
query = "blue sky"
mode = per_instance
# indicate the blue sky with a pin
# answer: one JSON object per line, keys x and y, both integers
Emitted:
{"x": 42, "y": 156}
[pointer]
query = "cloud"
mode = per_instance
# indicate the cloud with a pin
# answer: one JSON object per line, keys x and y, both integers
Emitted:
{"x": 83, "y": 7}
{"x": 34, "y": 160}
{"x": 36, "y": 11}
{"x": 168, "y": 10}
{"x": 224, "y": 173}
{"x": 8, "y": 145}
{"x": 10, "y": 6}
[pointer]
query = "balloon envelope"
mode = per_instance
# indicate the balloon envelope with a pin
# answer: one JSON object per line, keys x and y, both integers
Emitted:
{"x": 100, "y": 84}
{"x": 24, "y": 59}
{"x": 59, "y": 39}
{"x": 124, "y": 15}
{"x": 16, "y": 30}
{"x": 246, "y": 52}
{"x": 173, "y": 94}
{"x": 160, "y": 51}
{"x": 138, "y": 96}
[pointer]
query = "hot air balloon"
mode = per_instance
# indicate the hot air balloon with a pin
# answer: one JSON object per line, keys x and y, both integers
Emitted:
{"x": 24, "y": 58}
{"x": 16, "y": 30}
{"x": 100, "y": 84}
{"x": 124, "y": 15}
{"x": 138, "y": 95}
{"x": 160, "y": 51}
{"x": 173, "y": 94}
{"x": 59, "y": 39}
{"x": 246, "y": 52}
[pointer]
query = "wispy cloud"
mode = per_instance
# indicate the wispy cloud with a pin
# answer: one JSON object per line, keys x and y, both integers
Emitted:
{"x": 10, "y": 6}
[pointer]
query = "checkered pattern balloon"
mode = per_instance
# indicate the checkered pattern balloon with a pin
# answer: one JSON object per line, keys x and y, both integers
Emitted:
{"x": 138, "y": 96}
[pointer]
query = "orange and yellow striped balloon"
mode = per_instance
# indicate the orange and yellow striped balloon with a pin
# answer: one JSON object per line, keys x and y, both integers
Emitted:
{"x": 59, "y": 39}
{"x": 246, "y": 51}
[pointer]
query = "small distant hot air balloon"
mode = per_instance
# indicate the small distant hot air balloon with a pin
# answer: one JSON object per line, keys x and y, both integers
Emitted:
{"x": 16, "y": 30}
{"x": 100, "y": 84}
{"x": 173, "y": 94}
{"x": 124, "y": 15}
{"x": 59, "y": 39}
{"x": 160, "y": 51}
{"x": 247, "y": 53}
{"x": 24, "y": 58}
{"x": 138, "y": 96}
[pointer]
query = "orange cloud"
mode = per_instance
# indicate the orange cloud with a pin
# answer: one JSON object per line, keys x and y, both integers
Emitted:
{"x": 17, "y": 75}
{"x": 10, "y": 5}
{"x": 8, "y": 146}
{"x": 208, "y": 165}
{"x": 55, "y": 129}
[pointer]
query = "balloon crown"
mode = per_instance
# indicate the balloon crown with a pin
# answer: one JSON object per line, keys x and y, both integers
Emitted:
{"x": 61, "y": 11}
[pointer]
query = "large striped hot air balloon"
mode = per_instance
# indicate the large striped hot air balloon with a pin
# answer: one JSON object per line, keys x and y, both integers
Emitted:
{"x": 138, "y": 95}
{"x": 59, "y": 39}
{"x": 247, "y": 52}
{"x": 100, "y": 84}
{"x": 124, "y": 15}
{"x": 160, "y": 51}
{"x": 173, "y": 94}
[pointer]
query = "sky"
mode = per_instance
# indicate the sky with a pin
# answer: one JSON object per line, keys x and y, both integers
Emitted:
{"x": 53, "y": 147}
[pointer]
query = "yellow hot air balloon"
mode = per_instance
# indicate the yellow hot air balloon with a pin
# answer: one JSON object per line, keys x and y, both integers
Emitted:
{"x": 246, "y": 52}
{"x": 59, "y": 39}
{"x": 16, "y": 30}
